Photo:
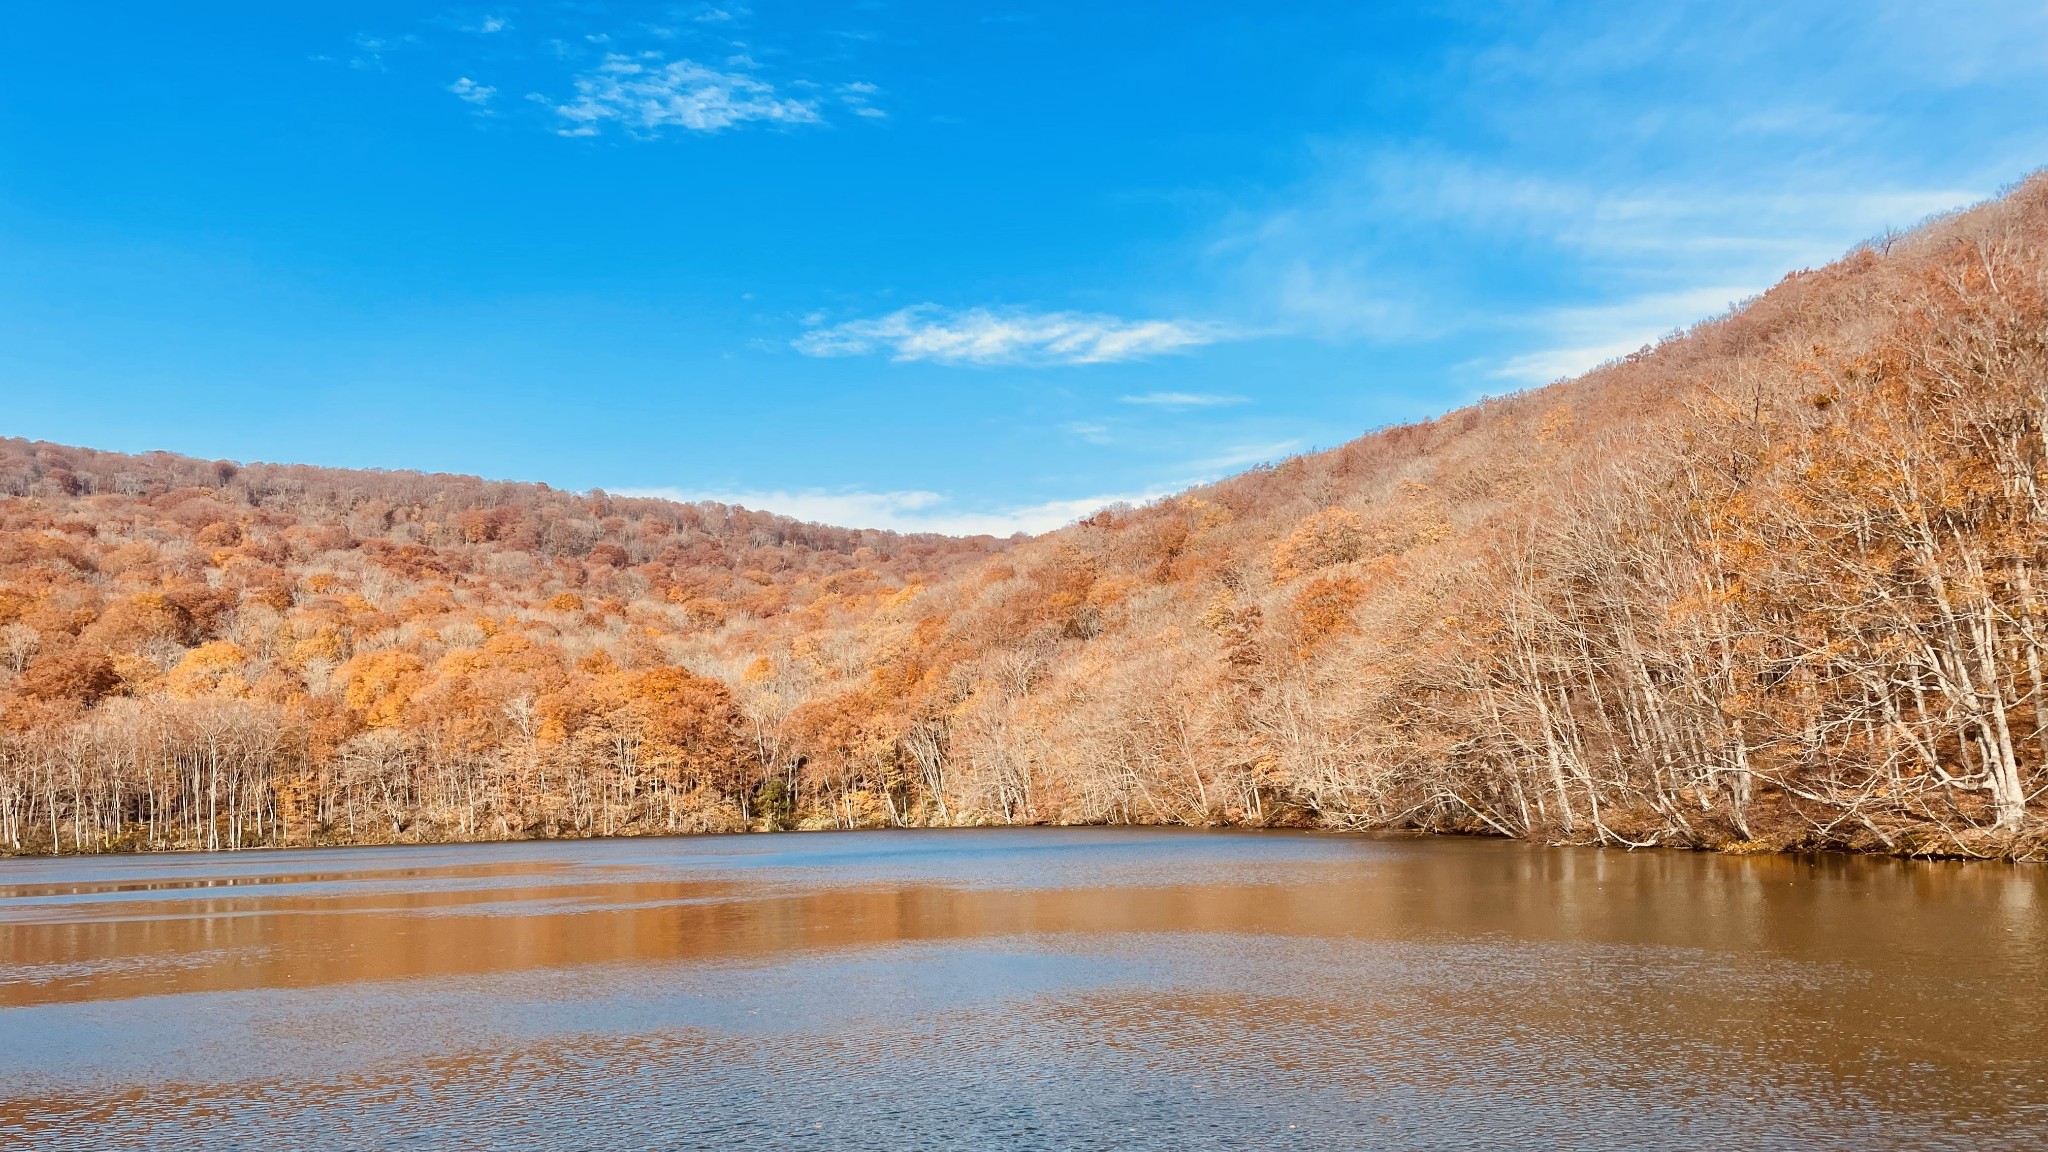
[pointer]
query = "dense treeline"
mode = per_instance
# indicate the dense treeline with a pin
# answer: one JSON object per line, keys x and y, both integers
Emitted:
{"x": 197, "y": 653}
{"x": 1773, "y": 583}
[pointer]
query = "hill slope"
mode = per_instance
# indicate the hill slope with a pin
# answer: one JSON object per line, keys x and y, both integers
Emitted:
{"x": 1769, "y": 584}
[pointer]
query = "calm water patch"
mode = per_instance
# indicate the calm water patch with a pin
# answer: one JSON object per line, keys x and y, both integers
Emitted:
{"x": 1020, "y": 989}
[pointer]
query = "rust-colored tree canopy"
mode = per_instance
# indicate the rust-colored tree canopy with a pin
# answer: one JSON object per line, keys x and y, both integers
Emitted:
{"x": 1774, "y": 583}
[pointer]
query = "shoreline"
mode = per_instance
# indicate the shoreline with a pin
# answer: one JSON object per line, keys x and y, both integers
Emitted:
{"x": 2028, "y": 845}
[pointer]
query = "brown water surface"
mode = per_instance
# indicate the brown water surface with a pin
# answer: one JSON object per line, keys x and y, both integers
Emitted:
{"x": 1021, "y": 989}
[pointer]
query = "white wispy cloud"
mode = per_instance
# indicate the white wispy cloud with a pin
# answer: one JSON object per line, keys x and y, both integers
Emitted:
{"x": 1183, "y": 400}
{"x": 1359, "y": 251}
{"x": 986, "y": 337}
{"x": 1550, "y": 364}
{"x": 471, "y": 92}
{"x": 645, "y": 93}
{"x": 1892, "y": 44}
{"x": 1579, "y": 339}
{"x": 370, "y": 50}
{"x": 918, "y": 510}
{"x": 1239, "y": 456}
{"x": 624, "y": 75}
{"x": 1705, "y": 229}
{"x": 859, "y": 99}
{"x": 1747, "y": 138}
{"x": 906, "y": 511}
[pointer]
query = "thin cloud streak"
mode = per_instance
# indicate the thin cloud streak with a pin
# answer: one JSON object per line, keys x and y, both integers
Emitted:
{"x": 983, "y": 336}
{"x": 1336, "y": 258}
{"x": 906, "y": 511}
{"x": 1183, "y": 400}
{"x": 917, "y": 510}
{"x": 1581, "y": 339}
{"x": 1240, "y": 457}
{"x": 1755, "y": 138}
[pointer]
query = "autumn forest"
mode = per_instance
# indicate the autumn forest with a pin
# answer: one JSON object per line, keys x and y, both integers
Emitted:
{"x": 1778, "y": 582}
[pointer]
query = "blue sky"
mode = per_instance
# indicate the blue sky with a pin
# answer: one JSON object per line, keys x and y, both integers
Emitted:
{"x": 954, "y": 266}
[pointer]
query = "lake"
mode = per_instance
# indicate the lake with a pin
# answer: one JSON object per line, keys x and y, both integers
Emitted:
{"x": 1014, "y": 989}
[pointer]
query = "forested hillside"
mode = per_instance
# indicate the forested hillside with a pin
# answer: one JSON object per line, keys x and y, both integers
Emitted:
{"x": 1770, "y": 584}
